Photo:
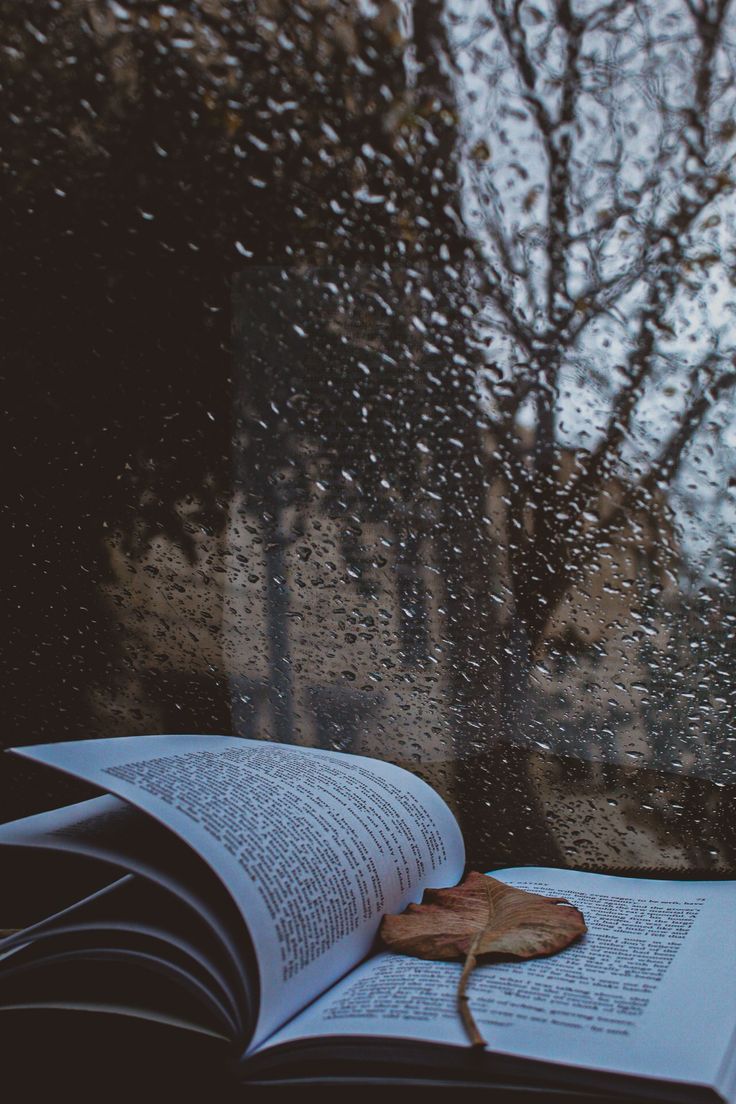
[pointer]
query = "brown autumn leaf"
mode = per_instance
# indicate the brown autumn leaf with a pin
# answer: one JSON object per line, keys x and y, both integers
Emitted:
{"x": 481, "y": 917}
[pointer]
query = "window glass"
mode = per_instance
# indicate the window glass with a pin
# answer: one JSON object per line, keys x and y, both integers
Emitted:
{"x": 375, "y": 389}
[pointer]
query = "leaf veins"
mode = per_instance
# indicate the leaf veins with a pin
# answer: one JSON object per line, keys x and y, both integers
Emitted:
{"x": 478, "y": 918}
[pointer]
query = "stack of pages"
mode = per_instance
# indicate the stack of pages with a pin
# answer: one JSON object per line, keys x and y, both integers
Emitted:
{"x": 247, "y": 882}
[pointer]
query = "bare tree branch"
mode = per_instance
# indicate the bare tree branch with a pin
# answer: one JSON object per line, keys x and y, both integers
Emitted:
{"x": 669, "y": 244}
{"x": 583, "y": 551}
{"x": 669, "y": 459}
{"x": 607, "y": 14}
{"x": 512, "y": 34}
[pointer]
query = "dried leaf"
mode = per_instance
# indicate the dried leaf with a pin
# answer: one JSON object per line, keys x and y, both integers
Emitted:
{"x": 480, "y": 917}
{"x": 510, "y": 921}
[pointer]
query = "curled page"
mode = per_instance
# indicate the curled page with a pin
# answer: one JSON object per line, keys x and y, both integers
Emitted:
{"x": 314, "y": 846}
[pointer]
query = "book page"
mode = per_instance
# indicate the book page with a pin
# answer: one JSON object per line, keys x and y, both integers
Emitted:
{"x": 314, "y": 846}
{"x": 132, "y": 908}
{"x": 649, "y": 991}
{"x": 113, "y": 831}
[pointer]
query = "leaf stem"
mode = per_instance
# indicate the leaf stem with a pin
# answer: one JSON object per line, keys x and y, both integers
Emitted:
{"x": 471, "y": 958}
{"x": 463, "y": 1007}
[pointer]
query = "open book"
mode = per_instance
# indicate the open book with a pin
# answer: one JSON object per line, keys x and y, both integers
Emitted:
{"x": 247, "y": 881}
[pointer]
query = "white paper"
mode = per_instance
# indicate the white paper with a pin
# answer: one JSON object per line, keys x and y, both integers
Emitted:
{"x": 313, "y": 845}
{"x": 100, "y": 912}
{"x": 650, "y": 991}
{"x": 99, "y": 829}
{"x": 111, "y": 830}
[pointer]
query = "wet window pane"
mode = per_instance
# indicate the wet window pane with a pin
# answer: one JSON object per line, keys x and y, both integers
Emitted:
{"x": 375, "y": 389}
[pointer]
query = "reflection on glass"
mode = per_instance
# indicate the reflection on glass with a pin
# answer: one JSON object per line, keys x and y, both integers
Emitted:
{"x": 459, "y": 487}
{"x": 388, "y": 591}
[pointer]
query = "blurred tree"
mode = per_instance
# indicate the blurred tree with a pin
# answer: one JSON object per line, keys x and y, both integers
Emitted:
{"x": 541, "y": 196}
{"x": 600, "y": 221}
